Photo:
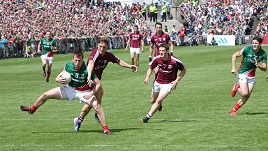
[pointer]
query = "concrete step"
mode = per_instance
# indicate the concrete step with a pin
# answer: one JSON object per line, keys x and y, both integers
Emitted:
{"x": 254, "y": 26}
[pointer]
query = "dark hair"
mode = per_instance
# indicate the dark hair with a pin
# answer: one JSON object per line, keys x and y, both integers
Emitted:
{"x": 158, "y": 23}
{"x": 259, "y": 39}
{"x": 78, "y": 53}
{"x": 136, "y": 26}
{"x": 105, "y": 40}
{"x": 165, "y": 46}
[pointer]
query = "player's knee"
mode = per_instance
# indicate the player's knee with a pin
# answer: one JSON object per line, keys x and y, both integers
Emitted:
{"x": 152, "y": 100}
{"x": 85, "y": 108}
{"x": 44, "y": 95}
{"x": 97, "y": 107}
{"x": 158, "y": 101}
{"x": 245, "y": 95}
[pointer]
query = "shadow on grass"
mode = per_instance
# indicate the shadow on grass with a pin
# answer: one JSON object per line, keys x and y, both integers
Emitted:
{"x": 89, "y": 131}
{"x": 112, "y": 130}
{"x": 63, "y": 132}
{"x": 256, "y": 113}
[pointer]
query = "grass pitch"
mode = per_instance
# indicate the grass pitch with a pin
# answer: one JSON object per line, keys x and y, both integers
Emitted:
{"x": 194, "y": 117}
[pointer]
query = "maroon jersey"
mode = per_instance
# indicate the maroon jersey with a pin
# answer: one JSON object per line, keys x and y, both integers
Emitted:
{"x": 100, "y": 62}
{"x": 167, "y": 69}
{"x": 138, "y": 8}
{"x": 158, "y": 40}
{"x": 135, "y": 40}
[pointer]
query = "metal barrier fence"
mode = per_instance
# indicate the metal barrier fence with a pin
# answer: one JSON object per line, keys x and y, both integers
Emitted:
{"x": 69, "y": 45}
{"x": 64, "y": 46}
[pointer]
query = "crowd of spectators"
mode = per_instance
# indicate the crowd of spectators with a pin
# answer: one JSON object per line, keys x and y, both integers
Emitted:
{"x": 262, "y": 27}
{"x": 222, "y": 17}
{"x": 30, "y": 19}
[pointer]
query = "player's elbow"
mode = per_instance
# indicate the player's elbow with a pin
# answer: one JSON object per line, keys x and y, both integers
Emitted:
{"x": 184, "y": 70}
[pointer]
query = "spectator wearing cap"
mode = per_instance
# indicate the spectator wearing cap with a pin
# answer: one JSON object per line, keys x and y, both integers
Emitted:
{"x": 164, "y": 12}
{"x": 152, "y": 10}
{"x": 155, "y": 12}
{"x": 143, "y": 10}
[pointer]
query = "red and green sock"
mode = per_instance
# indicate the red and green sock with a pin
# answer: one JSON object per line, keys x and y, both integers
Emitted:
{"x": 105, "y": 127}
{"x": 236, "y": 107}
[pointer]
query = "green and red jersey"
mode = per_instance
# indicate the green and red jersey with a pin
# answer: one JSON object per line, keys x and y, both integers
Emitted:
{"x": 79, "y": 78}
{"x": 247, "y": 65}
{"x": 46, "y": 46}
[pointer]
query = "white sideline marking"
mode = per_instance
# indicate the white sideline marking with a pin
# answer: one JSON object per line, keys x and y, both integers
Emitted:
{"x": 105, "y": 145}
{"x": 156, "y": 119}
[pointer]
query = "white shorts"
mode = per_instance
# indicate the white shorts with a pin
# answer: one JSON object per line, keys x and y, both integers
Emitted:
{"x": 135, "y": 50}
{"x": 49, "y": 59}
{"x": 69, "y": 93}
{"x": 160, "y": 87}
{"x": 246, "y": 79}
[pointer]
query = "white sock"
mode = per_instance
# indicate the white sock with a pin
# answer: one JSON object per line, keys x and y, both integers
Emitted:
{"x": 149, "y": 115}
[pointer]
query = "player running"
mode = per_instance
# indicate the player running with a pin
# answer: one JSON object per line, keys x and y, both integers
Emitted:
{"x": 135, "y": 41}
{"x": 253, "y": 57}
{"x": 166, "y": 79}
{"x": 48, "y": 45}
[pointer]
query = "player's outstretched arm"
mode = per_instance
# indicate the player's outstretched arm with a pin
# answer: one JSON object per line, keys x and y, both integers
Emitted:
{"x": 124, "y": 64}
